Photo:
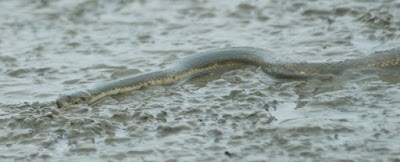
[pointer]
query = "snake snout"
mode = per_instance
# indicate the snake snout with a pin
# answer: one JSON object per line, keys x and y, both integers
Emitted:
{"x": 63, "y": 100}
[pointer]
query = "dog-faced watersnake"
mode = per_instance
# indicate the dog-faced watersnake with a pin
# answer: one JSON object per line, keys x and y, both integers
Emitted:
{"x": 229, "y": 58}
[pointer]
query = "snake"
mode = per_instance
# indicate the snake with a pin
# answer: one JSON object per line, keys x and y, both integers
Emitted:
{"x": 229, "y": 58}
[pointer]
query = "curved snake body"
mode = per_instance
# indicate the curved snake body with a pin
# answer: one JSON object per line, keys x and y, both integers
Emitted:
{"x": 232, "y": 57}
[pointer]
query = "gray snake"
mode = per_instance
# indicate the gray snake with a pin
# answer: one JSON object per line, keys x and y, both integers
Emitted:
{"x": 229, "y": 58}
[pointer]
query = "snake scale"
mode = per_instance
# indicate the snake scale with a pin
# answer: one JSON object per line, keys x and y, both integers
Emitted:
{"x": 229, "y": 58}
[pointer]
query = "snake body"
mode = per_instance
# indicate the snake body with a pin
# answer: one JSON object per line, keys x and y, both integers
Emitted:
{"x": 229, "y": 58}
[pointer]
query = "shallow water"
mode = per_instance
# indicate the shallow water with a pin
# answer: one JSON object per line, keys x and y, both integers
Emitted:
{"x": 49, "y": 48}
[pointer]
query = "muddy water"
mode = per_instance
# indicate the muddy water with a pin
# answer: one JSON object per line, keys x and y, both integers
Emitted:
{"x": 49, "y": 48}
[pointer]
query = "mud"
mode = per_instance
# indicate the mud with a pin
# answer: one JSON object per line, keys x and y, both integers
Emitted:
{"x": 49, "y": 48}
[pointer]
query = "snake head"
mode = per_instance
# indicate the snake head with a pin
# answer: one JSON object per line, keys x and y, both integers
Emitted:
{"x": 79, "y": 97}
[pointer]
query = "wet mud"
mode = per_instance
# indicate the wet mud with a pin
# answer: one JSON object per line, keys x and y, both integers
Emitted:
{"x": 48, "y": 48}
